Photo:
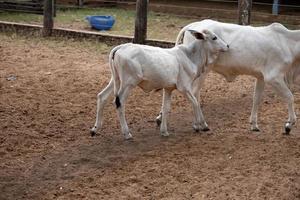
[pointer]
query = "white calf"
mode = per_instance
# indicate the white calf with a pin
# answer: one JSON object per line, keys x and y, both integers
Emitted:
{"x": 153, "y": 68}
{"x": 269, "y": 53}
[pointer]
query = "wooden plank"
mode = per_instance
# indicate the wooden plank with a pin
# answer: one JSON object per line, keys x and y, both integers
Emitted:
{"x": 99, "y": 3}
{"x": 21, "y": 3}
{"x": 25, "y": 7}
{"x": 244, "y": 12}
{"x": 140, "y": 33}
{"x": 23, "y": 11}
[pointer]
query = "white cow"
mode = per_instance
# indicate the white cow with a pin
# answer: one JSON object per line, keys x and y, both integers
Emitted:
{"x": 153, "y": 68}
{"x": 269, "y": 53}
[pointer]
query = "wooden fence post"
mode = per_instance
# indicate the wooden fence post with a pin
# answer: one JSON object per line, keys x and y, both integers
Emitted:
{"x": 275, "y": 7}
{"x": 140, "y": 33}
{"x": 48, "y": 17}
{"x": 80, "y": 3}
{"x": 245, "y": 7}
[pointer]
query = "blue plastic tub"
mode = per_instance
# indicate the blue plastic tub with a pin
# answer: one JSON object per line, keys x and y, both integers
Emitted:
{"x": 101, "y": 22}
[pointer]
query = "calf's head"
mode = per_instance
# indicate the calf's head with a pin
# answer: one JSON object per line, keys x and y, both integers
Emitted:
{"x": 211, "y": 44}
{"x": 212, "y": 41}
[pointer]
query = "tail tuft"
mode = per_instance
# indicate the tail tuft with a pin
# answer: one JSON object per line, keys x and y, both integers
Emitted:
{"x": 118, "y": 103}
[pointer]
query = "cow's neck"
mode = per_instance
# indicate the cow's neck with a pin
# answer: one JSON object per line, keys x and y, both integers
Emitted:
{"x": 295, "y": 38}
{"x": 297, "y": 46}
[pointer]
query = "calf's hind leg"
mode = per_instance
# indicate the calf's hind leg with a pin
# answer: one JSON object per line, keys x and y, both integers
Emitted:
{"x": 101, "y": 102}
{"x": 120, "y": 104}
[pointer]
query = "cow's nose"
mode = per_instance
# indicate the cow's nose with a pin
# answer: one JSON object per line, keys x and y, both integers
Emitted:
{"x": 228, "y": 46}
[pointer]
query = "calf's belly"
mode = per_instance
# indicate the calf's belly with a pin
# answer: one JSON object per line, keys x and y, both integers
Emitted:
{"x": 149, "y": 86}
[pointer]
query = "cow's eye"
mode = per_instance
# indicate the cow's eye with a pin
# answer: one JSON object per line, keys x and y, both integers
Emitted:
{"x": 214, "y": 38}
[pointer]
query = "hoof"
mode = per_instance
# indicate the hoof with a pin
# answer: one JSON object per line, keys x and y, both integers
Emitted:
{"x": 93, "y": 133}
{"x": 196, "y": 128}
{"x": 205, "y": 129}
{"x": 128, "y": 136}
{"x": 287, "y": 128}
{"x": 164, "y": 134}
{"x": 158, "y": 121}
{"x": 255, "y": 129}
{"x": 199, "y": 128}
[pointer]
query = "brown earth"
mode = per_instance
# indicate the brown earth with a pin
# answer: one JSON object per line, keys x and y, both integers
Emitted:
{"x": 46, "y": 151}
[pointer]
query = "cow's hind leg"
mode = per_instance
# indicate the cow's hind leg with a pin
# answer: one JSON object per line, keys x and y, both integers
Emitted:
{"x": 120, "y": 104}
{"x": 102, "y": 98}
{"x": 281, "y": 88}
{"x": 257, "y": 97}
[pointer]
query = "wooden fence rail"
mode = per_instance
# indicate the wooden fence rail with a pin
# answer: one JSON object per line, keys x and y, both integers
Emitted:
{"x": 35, "y": 7}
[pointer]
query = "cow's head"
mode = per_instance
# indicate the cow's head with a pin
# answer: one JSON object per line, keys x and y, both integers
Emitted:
{"x": 213, "y": 44}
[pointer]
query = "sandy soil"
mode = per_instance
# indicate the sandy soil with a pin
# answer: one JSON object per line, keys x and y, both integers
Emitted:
{"x": 46, "y": 151}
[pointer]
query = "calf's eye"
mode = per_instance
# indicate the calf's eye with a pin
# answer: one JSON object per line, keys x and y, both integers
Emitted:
{"x": 214, "y": 38}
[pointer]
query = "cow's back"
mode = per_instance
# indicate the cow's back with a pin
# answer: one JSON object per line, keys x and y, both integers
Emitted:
{"x": 251, "y": 48}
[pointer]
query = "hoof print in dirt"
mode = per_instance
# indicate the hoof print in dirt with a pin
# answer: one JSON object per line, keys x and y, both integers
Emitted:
{"x": 129, "y": 139}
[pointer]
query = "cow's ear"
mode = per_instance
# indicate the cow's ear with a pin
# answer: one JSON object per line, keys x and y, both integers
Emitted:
{"x": 198, "y": 35}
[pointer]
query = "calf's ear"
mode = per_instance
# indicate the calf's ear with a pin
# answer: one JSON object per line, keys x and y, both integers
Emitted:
{"x": 198, "y": 35}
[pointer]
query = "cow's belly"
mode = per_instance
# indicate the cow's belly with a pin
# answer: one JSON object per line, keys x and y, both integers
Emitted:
{"x": 237, "y": 61}
{"x": 231, "y": 70}
{"x": 148, "y": 86}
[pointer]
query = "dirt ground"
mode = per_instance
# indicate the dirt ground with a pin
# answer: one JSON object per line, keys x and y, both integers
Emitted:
{"x": 46, "y": 151}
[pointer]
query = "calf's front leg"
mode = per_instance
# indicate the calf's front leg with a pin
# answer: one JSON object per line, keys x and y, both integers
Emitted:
{"x": 166, "y": 105}
{"x": 200, "y": 123}
{"x": 257, "y": 97}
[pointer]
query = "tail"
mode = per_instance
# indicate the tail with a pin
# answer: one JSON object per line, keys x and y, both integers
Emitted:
{"x": 115, "y": 74}
{"x": 117, "y": 102}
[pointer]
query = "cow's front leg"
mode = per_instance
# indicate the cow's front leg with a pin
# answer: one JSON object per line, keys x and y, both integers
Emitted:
{"x": 257, "y": 97}
{"x": 200, "y": 123}
{"x": 166, "y": 105}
